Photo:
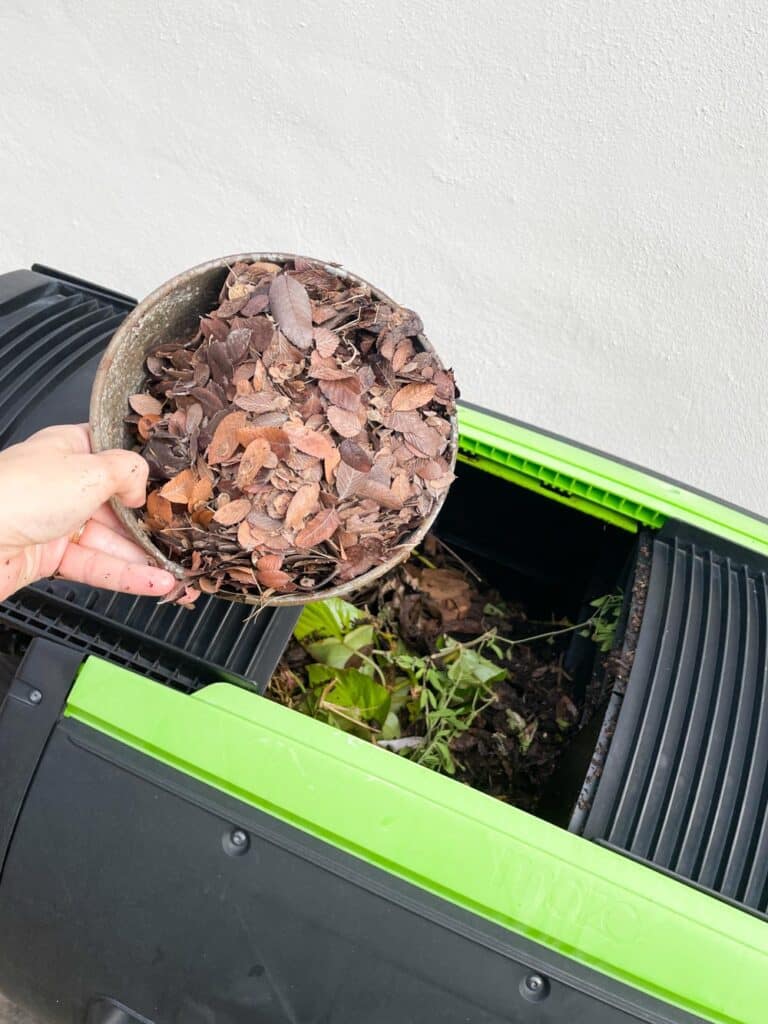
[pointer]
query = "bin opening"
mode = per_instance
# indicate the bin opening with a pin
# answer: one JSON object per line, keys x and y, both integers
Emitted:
{"x": 530, "y": 568}
{"x": 551, "y": 556}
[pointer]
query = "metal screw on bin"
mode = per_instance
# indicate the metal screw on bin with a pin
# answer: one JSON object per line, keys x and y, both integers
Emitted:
{"x": 534, "y": 987}
{"x": 35, "y": 696}
{"x": 235, "y": 842}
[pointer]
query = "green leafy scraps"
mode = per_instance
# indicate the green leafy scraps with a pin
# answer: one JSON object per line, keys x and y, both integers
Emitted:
{"x": 365, "y": 681}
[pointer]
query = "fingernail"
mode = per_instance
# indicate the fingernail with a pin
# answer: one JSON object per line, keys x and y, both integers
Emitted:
{"x": 164, "y": 580}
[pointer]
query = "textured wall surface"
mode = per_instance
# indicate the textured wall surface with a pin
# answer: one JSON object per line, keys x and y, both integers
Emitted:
{"x": 572, "y": 193}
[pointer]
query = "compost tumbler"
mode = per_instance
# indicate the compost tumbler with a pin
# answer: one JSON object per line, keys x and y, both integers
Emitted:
{"x": 176, "y": 848}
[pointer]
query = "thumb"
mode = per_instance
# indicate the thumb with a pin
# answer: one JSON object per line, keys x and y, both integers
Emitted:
{"x": 123, "y": 475}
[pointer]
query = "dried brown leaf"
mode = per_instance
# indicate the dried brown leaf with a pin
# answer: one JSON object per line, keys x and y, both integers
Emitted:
{"x": 344, "y": 393}
{"x": 310, "y": 441}
{"x": 159, "y": 510}
{"x": 209, "y": 399}
{"x": 245, "y": 536}
{"x": 262, "y": 331}
{"x": 401, "y": 488}
{"x": 202, "y": 516}
{"x": 278, "y": 440}
{"x": 347, "y": 480}
{"x": 179, "y": 488}
{"x": 379, "y": 492}
{"x": 237, "y": 291}
{"x": 413, "y": 396}
{"x": 145, "y": 424}
{"x": 262, "y": 401}
{"x": 424, "y": 441}
{"x": 269, "y": 562}
{"x": 326, "y": 341}
{"x": 348, "y": 424}
{"x": 330, "y": 465}
{"x": 224, "y": 442}
{"x": 359, "y": 560}
{"x": 233, "y": 512}
{"x": 321, "y": 314}
{"x": 355, "y": 456}
{"x": 208, "y": 585}
{"x": 246, "y": 577}
{"x": 194, "y": 417}
{"x": 255, "y": 305}
{"x": 430, "y": 469}
{"x": 201, "y": 492}
{"x": 260, "y": 267}
{"x": 302, "y": 504}
{"x": 254, "y": 458}
{"x": 145, "y": 405}
{"x": 403, "y": 352}
{"x": 229, "y": 307}
{"x": 290, "y": 306}
{"x": 275, "y": 579}
{"x": 321, "y": 370}
{"x": 319, "y": 529}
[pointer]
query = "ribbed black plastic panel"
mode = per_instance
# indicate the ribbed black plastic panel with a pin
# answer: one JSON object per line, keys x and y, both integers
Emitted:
{"x": 685, "y": 783}
{"x": 52, "y": 333}
{"x": 48, "y": 331}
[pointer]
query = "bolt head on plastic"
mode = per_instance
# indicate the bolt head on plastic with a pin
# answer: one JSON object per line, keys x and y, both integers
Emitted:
{"x": 534, "y": 987}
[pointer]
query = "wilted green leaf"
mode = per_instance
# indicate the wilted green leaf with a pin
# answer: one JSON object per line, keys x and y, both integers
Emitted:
{"x": 361, "y": 636}
{"x": 331, "y": 652}
{"x": 320, "y": 674}
{"x": 363, "y": 696}
{"x": 329, "y": 618}
{"x": 391, "y": 728}
{"x": 400, "y": 695}
{"x": 516, "y": 722}
{"x": 472, "y": 669}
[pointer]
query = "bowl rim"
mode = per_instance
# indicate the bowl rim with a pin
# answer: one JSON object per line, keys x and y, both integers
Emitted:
{"x": 128, "y": 517}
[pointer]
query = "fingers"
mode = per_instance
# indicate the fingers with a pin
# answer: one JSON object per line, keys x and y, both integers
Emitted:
{"x": 98, "y": 537}
{"x": 126, "y": 472}
{"x": 99, "y": 569}
{"x": 106, "y": 515}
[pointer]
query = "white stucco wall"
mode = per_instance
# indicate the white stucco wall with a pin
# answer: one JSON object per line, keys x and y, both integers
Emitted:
{"x": 573, "y": 194}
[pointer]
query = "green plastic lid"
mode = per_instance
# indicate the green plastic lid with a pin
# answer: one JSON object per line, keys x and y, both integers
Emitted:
{"x": 594, "y": 483}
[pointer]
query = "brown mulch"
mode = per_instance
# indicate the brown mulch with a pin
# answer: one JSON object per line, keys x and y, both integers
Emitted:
{"x": 298, "y": 438}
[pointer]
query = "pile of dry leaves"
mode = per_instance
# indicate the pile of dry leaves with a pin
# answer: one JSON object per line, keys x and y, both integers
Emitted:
{"x": 298, "y": 438}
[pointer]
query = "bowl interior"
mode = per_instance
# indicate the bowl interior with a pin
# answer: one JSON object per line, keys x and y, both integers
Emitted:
{"x": 171, "y": 313}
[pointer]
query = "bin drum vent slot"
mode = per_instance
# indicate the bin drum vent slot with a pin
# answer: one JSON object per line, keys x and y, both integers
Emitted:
{"x": 685, "y": 783}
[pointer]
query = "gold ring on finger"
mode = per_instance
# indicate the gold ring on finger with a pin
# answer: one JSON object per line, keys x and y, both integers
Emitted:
{"x": 74, "y": 537}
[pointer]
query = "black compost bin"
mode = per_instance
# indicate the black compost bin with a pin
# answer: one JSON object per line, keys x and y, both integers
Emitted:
{"x": 176, "y": 848}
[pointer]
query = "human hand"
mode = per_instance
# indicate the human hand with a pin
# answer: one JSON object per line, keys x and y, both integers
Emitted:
{"x": 54, "y": 516}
